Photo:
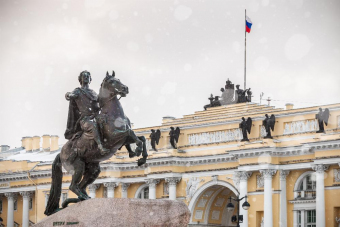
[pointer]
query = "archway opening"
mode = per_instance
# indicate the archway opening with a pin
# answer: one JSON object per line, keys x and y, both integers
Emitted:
{"x": 209, "y": 206}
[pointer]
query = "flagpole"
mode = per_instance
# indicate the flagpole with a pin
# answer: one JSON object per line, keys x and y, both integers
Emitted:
{"x": 245, "y": 47}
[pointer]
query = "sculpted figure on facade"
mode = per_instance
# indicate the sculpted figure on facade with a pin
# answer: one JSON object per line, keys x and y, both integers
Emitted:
{"x": 155, "y": 136}
{"x": 192, "y": 185}
{"x": 269, "y": 124}
{"x": 174, "y": 135}
{"x": 322, "y": 118}
{"x": 246, "y": 128}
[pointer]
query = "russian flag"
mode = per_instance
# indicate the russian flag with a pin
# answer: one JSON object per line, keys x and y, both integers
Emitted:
{"x": 248, "y": 24}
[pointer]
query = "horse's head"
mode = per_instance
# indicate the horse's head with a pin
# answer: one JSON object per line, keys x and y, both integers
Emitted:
{"x": 112, "y": 87}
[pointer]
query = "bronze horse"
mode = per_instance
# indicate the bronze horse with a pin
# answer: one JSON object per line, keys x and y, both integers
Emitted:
{"x": 84, "y": 166}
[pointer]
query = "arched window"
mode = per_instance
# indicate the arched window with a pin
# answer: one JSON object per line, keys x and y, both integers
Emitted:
{"x": 307, "y": 187}
{"x": 144, "y": 193}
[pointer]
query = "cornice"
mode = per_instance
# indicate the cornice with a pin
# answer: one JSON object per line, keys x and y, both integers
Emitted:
{"x": 302, "y": 201}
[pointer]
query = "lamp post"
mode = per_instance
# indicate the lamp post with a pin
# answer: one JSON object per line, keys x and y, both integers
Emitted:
{"x": 245, "y": 206}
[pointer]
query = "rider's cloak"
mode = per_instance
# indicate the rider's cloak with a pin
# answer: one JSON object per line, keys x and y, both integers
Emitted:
{"x": 73, "y": 125}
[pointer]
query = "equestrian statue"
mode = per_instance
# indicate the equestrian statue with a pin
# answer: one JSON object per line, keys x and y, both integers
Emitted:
{"x": 96, "y": 128}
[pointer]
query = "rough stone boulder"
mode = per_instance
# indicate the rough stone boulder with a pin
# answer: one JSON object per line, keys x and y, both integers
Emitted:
{"x": 104, "y": 212}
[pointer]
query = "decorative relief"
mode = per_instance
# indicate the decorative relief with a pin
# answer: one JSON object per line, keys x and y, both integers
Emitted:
{"x": 301, "y": 126}
{"x": 259, "y": 181}
{"x": 198, "y": 214}
{"x": 263, "y": 132}
{"x": 192, "y": 185}
{"x": 214, "y": 137}
{"x": 320, "y": 168}
{"x": 202, "y": 202}
{"x": 336, "y": 175}
{"x": 219, "y": 202}
{"x": 215, "y": 215}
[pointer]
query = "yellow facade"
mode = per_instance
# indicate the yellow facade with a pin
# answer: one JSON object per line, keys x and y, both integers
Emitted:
{"x": 207, "y": 167}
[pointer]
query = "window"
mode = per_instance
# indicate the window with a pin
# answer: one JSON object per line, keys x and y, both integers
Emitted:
{"x": 299, "y": 218}
{"x": 0, "y": 206}
{"x": 306, "y": 218}
{"x": 307, "y": 187}
{"x": 144, "y": 193}
{"x": 15, "y": 205}
{"x": 311, "y": 218}
{"x": 30, "y": 203}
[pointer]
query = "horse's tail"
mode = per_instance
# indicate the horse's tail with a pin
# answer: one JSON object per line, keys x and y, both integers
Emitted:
{"x": 55, "y": 192}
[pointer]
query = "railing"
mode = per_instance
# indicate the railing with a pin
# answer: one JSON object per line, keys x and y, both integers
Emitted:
{"x": 306, "y": 195}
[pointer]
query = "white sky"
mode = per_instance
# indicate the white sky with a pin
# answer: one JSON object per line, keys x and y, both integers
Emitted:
{"x": 171, "y": 54}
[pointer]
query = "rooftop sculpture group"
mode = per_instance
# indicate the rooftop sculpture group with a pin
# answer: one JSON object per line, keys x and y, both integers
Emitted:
{"x": 96, "y": 128}
{"x": 230, "y": 96}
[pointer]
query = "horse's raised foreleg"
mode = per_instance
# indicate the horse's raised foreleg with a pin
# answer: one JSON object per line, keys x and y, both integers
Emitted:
{"x": 131, "y": 152}
{"x": 78, "y": 171}
{"x": 92, "y": 171}
{"x": 142, "y": 160}
{"x": 138, "y": 142}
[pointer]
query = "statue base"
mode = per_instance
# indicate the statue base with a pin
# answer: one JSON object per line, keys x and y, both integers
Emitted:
{"x": 120, "y": 212}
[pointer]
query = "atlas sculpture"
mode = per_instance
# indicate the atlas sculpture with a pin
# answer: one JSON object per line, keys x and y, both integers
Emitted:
{"x": 96, "y": 128}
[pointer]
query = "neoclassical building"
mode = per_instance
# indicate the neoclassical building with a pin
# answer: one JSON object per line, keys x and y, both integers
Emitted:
{"x": 290, "y": 180}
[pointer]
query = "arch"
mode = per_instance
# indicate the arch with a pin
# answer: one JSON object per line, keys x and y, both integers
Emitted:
{"x": 140, "y": 189}
{"x": 205, "y": 186}
{"x": 300, "y": 178}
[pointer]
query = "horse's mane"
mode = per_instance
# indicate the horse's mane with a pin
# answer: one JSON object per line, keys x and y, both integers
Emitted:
{"x": 103, "y": 92}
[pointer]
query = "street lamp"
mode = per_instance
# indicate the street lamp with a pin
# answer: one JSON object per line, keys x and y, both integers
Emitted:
{"x": 245, "y": 206}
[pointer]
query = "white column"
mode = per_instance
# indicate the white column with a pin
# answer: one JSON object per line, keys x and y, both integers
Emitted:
{"x": 92, "y": 190}
{"x": 172, "y": 181}
{"x": 152, "y": 187}
{"x": 295, "y": 218}
{"x": 110, "y": 189}
{"x": 283, "y": 198}
{"x": 125, "y": 187}
{"x": 268, "y": 196}
{"x": 243, "y": 177}
{"x": 303, "y": 212}
{"x": 320, "y": 195}
{"x": 10, "y": 208}
{"x": 25, "y": 208}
